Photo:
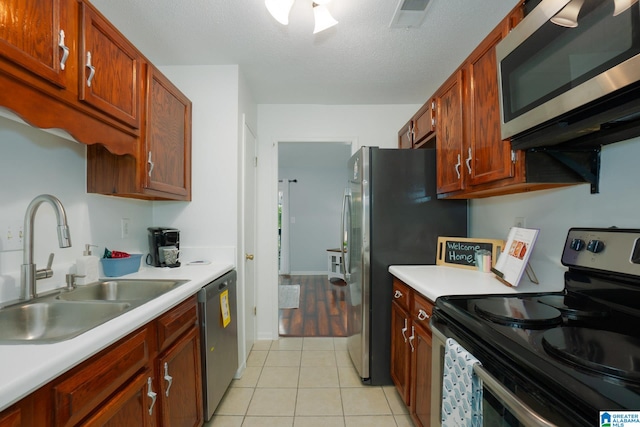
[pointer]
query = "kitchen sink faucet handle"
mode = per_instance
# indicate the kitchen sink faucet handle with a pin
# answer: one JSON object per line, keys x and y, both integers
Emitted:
{"x": 46, "y": 272}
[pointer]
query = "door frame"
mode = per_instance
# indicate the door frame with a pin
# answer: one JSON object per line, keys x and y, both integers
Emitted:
{"x": 271, "y": 282}
{"x": 246, "y": 316}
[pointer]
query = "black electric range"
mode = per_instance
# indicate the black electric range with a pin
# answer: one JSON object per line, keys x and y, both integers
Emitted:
{"x": 570, "y": 355}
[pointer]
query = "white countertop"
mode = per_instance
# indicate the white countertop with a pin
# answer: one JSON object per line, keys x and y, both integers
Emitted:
{"x": 434, "y": 281}
{"x": 26, "y": 367}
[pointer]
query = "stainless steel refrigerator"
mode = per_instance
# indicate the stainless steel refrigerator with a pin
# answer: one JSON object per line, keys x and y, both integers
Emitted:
{"x": 391, "y": 216}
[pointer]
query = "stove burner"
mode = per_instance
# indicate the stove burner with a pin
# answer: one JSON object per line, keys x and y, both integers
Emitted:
{"x": 575, "y": 307}
{"x": 600, "y": 351}
{"x": 518, "y": 312}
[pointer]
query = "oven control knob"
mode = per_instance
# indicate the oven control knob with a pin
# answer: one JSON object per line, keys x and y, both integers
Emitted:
{"x": 577, "y": 244}
{"x": 595, "y": 246}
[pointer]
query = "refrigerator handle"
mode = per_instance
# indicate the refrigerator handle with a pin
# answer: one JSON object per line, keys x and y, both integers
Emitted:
{"x": 344, "y": 238}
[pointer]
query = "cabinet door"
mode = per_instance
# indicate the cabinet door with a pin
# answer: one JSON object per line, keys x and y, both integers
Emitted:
{"x": 400, "y": 354}
{"x": 132, "y": 406}
{"x": 168, "y": 137}
{"x": 178, "y": 373}
{"x": 424, "y": 122}
{"x": 84, "y": 389}
{"x": 450, "y": 131}
{"x": 487, "y": 158}
{"x": 405, "y": 137}
{"x": 421, "y": 376}
{"x": 110, "y": 67}
{"x": 11, "y": 418}
{"x": 31, "y": 33}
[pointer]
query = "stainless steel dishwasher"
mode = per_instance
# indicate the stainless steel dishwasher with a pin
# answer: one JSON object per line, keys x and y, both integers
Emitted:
{"x": 219, "y": 339}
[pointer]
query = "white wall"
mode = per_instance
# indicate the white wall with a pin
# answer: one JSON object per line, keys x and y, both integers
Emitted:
{"x": 34, "y": 162}
{"x": 555, "y": 211}
{"x": 375, "y": 125}
{"x": 210, "y": 218}
{"x": 212, "y": 221}
{"x": 315, "y": 201}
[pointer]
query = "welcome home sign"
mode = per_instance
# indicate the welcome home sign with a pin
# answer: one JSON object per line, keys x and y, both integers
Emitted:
{"x": 461, "y": 251}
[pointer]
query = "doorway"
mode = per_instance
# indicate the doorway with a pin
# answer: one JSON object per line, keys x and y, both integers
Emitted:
{"x": 312, "y": 177}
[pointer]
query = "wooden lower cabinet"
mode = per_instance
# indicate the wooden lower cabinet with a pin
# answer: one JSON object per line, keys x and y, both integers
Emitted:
{"x": 411, "y": 351}
{"x": 178, "y": 370}
{"x": 420, "y": 406}
{"x": 400, "y": 354}
{"x": 130, "y": 407}
{"x": 134, "y": 382}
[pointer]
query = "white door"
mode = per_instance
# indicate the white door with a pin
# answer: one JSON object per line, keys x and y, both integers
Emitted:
{"x": 249, "y": 225}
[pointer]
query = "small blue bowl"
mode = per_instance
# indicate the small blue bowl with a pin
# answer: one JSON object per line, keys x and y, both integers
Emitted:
{"x": 113, "y": 267}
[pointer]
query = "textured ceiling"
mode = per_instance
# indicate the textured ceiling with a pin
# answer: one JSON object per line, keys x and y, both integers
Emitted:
{"x": 359, "y": 61}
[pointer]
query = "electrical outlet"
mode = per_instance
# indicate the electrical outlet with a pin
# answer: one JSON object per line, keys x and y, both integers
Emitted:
{"x": 520, "y": 222}
{"x": 12, "y": 236}
{"x": 125, "y": 224}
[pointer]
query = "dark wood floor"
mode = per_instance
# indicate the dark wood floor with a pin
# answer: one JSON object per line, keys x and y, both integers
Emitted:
{"x": 322, "y": 312}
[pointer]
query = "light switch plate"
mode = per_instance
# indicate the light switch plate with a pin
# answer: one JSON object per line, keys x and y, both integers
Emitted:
{"x": 11, "y": 236}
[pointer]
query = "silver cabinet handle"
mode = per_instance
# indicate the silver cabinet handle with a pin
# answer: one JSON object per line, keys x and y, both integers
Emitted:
{"x": 457, "y": 166}
{"x": 468, "y": 161}
{"x": 168, "y": 378}
{"x": 151, "y": 164}
{"x": 65, "y": 50}
{"x": 404, "y": 330}
{"x": 398, "y": 294}
{"x": 422, "y": 314}
{"x": 412, "y": 337}
{"x": 151, "y": 394}
{"x": 92, "y": 69}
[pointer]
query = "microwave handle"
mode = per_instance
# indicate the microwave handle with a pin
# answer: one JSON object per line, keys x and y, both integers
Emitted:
{"x": 517, "y": 407}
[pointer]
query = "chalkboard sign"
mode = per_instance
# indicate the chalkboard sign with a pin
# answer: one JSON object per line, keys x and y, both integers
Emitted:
{"x": 461, "y": 251}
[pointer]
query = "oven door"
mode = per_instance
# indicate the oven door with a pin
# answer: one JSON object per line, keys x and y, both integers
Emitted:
{"x": 500, "y": 406}
{"x": 564, "y": 55}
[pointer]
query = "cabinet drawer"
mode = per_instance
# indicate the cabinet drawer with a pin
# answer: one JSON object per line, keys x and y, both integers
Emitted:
{"x": 86, "y": 388}
{"x": 401, "y": 294}
{"x": 421, "y": 310}
{"x": 176, "y": 321}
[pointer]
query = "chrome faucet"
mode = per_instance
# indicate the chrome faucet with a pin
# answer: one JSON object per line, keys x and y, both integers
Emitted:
{"x": 29, "y": 274}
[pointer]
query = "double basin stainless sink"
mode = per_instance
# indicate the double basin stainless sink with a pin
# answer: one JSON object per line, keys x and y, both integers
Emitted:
{"x": 70, "y": 313}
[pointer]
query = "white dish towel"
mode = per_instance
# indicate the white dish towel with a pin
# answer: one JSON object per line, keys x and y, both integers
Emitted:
{"x": 461, "y": 388}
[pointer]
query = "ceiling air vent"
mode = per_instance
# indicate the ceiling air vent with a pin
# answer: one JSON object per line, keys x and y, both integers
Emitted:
{"x": 409, "y": 14}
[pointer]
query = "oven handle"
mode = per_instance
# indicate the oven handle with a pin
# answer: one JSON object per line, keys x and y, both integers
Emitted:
{"x": 513, "y": 403}
{"x": 517, "y": 407}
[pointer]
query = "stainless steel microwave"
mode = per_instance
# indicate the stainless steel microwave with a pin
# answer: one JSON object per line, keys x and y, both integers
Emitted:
{"x": 571, "y": 67}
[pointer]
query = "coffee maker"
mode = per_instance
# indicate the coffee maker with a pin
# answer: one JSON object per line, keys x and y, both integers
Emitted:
{"x": 164, "y": 246}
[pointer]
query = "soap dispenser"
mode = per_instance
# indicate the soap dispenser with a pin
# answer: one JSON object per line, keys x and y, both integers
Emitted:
{"x": 87, "y": 268}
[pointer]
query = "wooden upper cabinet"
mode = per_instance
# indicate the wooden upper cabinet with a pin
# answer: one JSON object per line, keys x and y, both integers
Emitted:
{"x": 405, "y": 136}
{"x": 424, "y": 122}
{"x": 168, "y": 137}
{"x": 32, "y": 35}
{"x": 110, "y": 69}
{"x": 450, "y": 131}
{"x": 487, "y": 157}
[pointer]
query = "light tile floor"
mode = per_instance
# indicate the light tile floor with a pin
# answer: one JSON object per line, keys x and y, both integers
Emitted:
{"x": 306, "y": 382}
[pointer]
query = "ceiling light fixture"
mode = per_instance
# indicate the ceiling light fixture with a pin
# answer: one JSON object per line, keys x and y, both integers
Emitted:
{"x": 622, "y": 5}
{"x": 322, "y": 17}
{"x": 280, "y": 10}
{"x": 568, "y": 16}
